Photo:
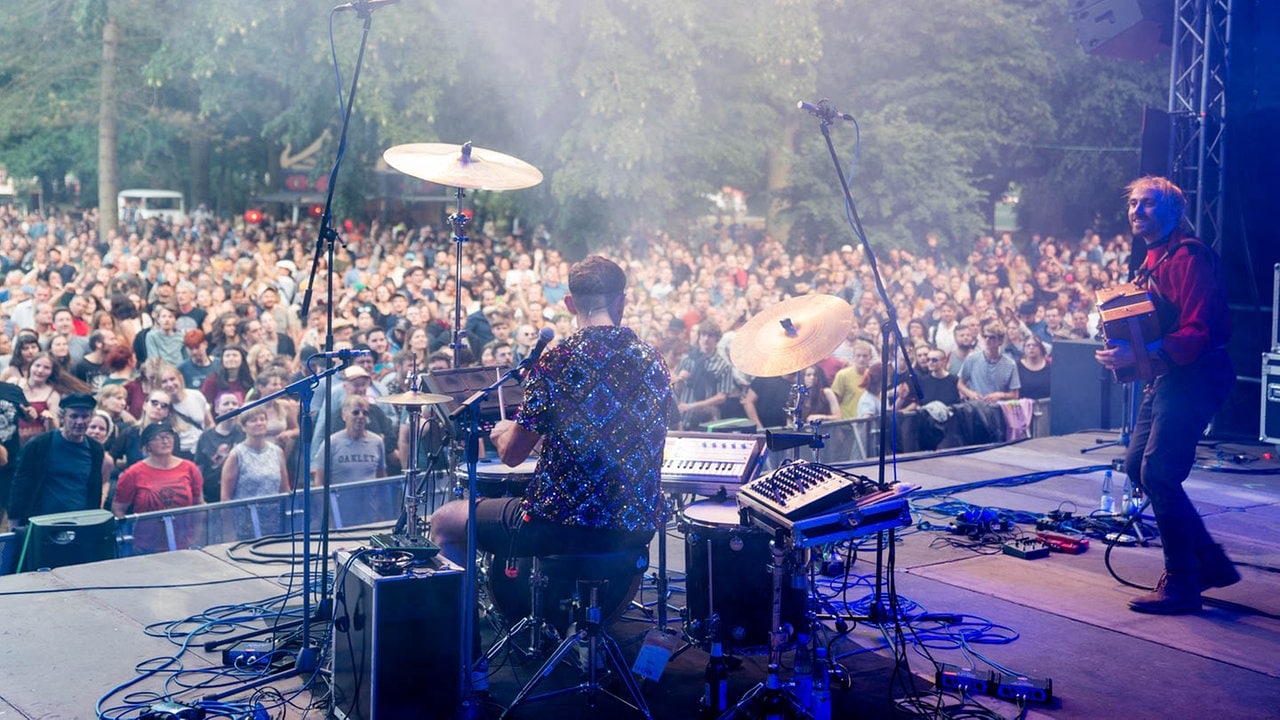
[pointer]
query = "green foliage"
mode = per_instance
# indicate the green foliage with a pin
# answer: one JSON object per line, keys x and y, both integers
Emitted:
{"x": 633, "y": 109}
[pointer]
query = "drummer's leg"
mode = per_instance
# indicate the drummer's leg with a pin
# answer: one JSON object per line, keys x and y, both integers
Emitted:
{"x": 449, "y": 530}
{"x": 496, "y": 522}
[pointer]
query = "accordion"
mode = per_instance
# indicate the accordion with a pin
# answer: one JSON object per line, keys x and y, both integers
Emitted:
{"x": 1129, "y": 316}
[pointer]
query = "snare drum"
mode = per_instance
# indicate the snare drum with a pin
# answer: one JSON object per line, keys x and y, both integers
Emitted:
{"x": 728, "y": 573}
{"x": 496, "y": 479}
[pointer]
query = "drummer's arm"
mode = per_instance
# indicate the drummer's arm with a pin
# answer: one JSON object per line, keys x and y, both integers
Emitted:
{"x": 514, "y": 443}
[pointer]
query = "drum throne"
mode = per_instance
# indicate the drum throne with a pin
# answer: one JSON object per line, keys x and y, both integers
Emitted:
{"x": 592, "y": 648}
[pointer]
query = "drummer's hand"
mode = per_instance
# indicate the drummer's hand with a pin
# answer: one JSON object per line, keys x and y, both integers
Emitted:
{"x": 1115, "y": 355}
{"x": 502, "y": 427}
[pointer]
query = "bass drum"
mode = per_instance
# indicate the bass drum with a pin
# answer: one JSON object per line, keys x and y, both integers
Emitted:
{"x": 507, "y": 584}
{"x": 729, "y": 579}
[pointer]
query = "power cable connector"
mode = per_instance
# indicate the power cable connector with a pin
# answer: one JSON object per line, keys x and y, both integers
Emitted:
{"x": 1020, "y": 687}
{"x": 969, "y": 680}
{"x": 246, "y": 654}
{"x": 168, "y": 710}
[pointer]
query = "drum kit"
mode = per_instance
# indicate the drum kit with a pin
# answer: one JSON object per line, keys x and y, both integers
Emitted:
{"x": 730, "y": 562}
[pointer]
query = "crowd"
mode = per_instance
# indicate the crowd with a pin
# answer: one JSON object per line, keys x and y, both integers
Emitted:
{"x": 166, "y": 328}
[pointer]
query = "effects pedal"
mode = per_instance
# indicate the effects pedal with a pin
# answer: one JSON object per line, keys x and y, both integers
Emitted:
{"x": 1060, "y": 542}
{"x": 1026, "y": 548}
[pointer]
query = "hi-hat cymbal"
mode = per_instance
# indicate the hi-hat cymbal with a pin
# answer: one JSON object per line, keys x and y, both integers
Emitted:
{"x": 462, "y": 166}
{"x": 412, "y": 398}
{"x": 791, "y": 335}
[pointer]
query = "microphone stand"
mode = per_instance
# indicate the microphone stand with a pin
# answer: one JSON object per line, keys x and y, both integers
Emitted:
{"x": 325, "y": 240}
{"x": 306, "y": 661}
{"x": 890, "y": 328}
{"x": 470, "y": 408}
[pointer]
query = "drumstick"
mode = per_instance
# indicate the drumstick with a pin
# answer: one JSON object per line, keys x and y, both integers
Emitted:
{"x": 502, "y": 405}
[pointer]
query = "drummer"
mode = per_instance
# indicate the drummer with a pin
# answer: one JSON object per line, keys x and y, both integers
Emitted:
{"x": 598, "y": 404}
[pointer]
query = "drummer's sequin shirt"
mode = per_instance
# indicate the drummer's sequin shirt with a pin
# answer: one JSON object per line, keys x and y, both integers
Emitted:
{"x": 600, "y": 402}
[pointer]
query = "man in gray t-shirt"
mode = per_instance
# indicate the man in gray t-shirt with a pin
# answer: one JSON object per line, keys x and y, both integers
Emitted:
{"x": 989, "y": 375}
{"x": 355, "y": 453}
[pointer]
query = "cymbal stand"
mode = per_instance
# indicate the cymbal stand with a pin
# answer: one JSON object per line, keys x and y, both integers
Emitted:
{"x": 771, "y": 693}
{"x": 458, "y": 221}
{"x": 470, "y": 409}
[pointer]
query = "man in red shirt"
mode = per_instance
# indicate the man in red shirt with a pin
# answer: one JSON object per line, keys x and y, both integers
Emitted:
{"x": 1192, "y": 377}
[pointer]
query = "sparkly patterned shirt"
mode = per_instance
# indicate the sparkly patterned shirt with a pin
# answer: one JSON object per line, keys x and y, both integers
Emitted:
{"x": 600, "y": 403}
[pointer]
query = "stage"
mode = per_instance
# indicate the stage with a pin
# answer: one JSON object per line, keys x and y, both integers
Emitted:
{"x": 72, "y": 635}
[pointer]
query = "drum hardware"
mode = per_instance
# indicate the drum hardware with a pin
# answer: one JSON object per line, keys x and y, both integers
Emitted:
{"x": 726, "y": 570}
{"x": 410, "y": 530}
{"x": 541, "y": 631}
{"x": 465, "y": 167}
{"x": 597, "y": 650}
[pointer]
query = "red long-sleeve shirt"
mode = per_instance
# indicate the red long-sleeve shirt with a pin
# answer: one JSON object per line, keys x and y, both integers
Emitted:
{"x": 1189, "y": 281}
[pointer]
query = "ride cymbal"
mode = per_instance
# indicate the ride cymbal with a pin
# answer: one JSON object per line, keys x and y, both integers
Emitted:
{"x": 412, "y": 398}
{"x": 462, "y": 166}
{"x": 791, "y": 335}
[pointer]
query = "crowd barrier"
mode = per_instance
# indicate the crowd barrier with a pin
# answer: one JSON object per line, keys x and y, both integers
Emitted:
{"x": 378, "y": 501}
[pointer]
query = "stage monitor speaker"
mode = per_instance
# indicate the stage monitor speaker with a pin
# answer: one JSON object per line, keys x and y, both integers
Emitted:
{"x": 397, "y": 650}
{"x": 68, "y": 538}
{"x": 1083, "y": 394}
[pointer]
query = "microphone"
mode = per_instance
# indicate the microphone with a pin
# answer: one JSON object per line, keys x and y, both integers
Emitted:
{"x": 823, "y": 110}
{"x": 345, "y": 355}
{"x": 363, "y": 7}
{"x": 546, "y": 335}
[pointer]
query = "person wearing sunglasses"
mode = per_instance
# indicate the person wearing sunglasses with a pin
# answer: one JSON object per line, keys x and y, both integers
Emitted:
{"x": 160, "y": 481}
{"x": 355, "y": 452}
{"x": 989, "y": 375}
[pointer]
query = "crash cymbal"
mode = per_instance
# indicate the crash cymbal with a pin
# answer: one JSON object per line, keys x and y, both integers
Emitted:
{"x": 791, "y": 335}
{"x": 462, "y": 166}
{"x": 412, "y": 398}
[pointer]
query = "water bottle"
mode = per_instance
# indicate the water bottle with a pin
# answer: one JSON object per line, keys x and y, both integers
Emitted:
{"x": 803, "y": 675}
{"x": 820, "y": 704}
{"x": 1126, "y": 497}
{"x": 1108, "y": 502}
{"x": 715, "y": 691}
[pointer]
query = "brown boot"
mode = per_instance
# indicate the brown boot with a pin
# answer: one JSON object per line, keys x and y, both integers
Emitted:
{"x": 1216, "y": 569}
{"x": 1174, "y": 595}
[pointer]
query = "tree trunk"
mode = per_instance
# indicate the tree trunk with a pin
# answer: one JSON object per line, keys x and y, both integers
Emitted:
{"x": 200, "y": 148}
{"x": 108, "y": 160}
{"x": 781, "y": 157}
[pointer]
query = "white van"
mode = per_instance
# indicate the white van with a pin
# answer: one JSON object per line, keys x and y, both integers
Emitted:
{"x": 135, "y": 205}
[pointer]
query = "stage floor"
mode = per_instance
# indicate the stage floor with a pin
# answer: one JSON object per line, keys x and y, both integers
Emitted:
{"x": 71, "y": 636}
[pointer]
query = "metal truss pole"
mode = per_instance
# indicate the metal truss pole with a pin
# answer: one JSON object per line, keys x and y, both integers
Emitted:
{"x": 1198, "y": 110}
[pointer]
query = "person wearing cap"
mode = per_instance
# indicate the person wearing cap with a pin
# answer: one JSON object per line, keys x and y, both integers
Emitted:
{"x": 357, "y": 380}
{"x": 60, "y": 470}
{"x": 285, "y": 270}
{"x": 160, "y": 481}
{"x": 355, "y": 452}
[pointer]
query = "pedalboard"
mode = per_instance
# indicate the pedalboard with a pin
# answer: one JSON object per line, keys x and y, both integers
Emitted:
{"x": 1026, "y": 548}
